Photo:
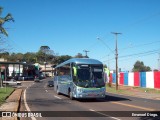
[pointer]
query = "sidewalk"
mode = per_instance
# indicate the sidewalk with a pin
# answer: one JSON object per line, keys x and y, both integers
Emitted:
{"x": 12, "y": 104}
{"x": 136, "y": 92}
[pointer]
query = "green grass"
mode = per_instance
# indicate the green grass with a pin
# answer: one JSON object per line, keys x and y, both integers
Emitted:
{"x": 4, "y": 93}
{"x": 119, "y": 91}
{"x": 130, "y": 90}
{"x": 148, "y": 90}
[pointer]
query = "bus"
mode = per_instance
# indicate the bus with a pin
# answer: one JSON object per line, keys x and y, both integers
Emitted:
{"x": 80, "y": 78}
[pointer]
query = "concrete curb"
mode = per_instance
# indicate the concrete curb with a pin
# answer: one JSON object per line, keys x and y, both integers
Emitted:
{"x": 12, "y": 104}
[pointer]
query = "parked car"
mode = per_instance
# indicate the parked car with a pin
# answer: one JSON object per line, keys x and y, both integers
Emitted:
{"x": 50, "y": 83}
{"x": 12, "y": 82}
{"x": 41, "y": 76}
{"x": 36, "y": 79}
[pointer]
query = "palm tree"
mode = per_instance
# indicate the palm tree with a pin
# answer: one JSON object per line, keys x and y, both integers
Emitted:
{"x": 4, "y": 20}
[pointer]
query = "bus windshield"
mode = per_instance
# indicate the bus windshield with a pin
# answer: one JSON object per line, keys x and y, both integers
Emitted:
{"x": 90, "y": 76}
{"x": 83, "y": 74}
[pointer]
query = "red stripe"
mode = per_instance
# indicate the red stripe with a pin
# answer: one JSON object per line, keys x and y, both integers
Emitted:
{"x": 136, "y": 79}
{"x": 121, "y": 78}
{"x": 110, "y": 79}
{"x": 156, "y": 79}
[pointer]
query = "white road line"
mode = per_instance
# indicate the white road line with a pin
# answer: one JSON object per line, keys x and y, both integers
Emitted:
{"x": 91, "y": 110}
{"x": 46, "y": 90}
{"x": 45, "y": 86}
{"x": 104, "y": 114}
{"x": 57, "y": 97}
{"x": 26, "y": 105}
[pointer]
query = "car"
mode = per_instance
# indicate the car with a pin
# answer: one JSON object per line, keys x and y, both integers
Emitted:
{"x": 41, "y": 76}
{"x": 50, "y": 83}
{"x": 12, "y": 82}
{"x": 36, "y": 79}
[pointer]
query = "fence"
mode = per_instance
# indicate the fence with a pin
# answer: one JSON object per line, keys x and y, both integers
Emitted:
{"x": 139, "y": 79}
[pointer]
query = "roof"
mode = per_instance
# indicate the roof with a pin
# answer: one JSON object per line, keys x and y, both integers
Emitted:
{"x": 80, "y": 61}
{"x": 21, "y": 63}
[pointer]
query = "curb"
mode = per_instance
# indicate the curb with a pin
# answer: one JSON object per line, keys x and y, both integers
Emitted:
{"x": 12, "y": 104}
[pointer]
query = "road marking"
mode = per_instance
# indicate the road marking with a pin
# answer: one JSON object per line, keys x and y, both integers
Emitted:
{"x": 134, "y": 106}
{"x": 26, "y": 105}
{"x": 45, "y": 86}
{"x": 91, "y": 110}
{"x": 46, "y": 90}
{"x": 105, "y": 114}
{"x": 57, "y": 97}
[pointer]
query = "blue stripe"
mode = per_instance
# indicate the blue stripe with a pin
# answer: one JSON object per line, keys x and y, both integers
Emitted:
{"x": 125, "y": 78}
{"x": 143, "y": 79}
{"x": 114, "y": 78}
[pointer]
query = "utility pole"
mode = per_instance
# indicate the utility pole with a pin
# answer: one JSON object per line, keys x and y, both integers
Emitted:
{"x": 86, "y": 53}
{"x": 116, "y": 57}
{"x": 159, "y": 62}
{"x": 108, "y": 62}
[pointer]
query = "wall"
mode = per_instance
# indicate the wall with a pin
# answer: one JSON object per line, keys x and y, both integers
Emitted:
{"x": 140, "y": 79}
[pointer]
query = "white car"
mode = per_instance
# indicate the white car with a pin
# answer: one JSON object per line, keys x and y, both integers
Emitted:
{"x": 12, "y": 82}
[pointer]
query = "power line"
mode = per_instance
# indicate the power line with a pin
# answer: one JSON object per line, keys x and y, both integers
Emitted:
{"x": 140, "y": 45}
{"x": 159, "y": 62}
{"x": 105, "y": 44}
{"x": 137, "y": 54}
{"x": 152, "y": 51}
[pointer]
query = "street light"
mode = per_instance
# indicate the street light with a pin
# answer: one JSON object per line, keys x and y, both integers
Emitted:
{"x": 116, "y": 57}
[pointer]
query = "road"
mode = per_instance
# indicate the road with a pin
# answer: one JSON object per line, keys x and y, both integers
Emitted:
{"x": 38, "y": 97}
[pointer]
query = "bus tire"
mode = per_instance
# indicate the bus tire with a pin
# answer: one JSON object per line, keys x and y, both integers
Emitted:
{"x": 58, "y": 93}
{"x": 70, "y": 95}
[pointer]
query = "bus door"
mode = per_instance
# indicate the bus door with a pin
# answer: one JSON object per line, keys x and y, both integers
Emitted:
{"x": 64, "y": 82}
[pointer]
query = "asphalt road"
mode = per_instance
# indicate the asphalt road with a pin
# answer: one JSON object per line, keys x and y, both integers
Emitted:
{"x": 38, "y": 97}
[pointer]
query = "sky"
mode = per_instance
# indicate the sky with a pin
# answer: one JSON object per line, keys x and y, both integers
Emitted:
{"x": 69, "y": 27}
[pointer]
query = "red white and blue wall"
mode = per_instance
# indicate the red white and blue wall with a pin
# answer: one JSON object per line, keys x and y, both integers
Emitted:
{"x": 138, "y": 79}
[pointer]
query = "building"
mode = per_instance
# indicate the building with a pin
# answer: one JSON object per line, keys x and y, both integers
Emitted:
{"x": 16, "y": 70}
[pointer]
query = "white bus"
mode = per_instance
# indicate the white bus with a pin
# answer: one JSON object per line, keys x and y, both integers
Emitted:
{"x": 80, "y": 78}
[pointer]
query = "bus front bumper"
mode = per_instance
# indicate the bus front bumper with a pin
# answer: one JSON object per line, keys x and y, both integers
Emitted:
{"x": 90, "y": 95}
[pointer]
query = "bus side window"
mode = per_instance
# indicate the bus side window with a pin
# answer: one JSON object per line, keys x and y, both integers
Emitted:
{"x": 74, "y": 73}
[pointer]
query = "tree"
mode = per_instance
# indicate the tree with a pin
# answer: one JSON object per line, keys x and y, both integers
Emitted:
{"x": 79, "y": 55}
{"x": 3, "y": 31}
{"x": 60, "y": 59}
{"x": 3, "y": 20}
{"x": 45, "y": 50}
{"x": 4, "y": 55}
{"x": 140, "y": 67}
{"x": 29, "y": 57}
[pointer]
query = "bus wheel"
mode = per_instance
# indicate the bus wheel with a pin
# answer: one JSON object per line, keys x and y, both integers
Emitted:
{"x": 57, "y": 91}
{"x": 70, "y": 95}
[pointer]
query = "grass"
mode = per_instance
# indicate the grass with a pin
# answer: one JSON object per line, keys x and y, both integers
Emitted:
{"x": 4, "y": 93}
{"x": 130, "y": 90}
{"x": 148, "y": 90}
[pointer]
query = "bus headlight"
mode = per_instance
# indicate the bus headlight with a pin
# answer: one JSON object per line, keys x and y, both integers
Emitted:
{"x": 102, "y": 90}
{"x": 79, "y": 90}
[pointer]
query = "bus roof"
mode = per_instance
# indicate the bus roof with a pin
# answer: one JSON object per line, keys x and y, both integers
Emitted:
{"x": 80, "y": 61}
